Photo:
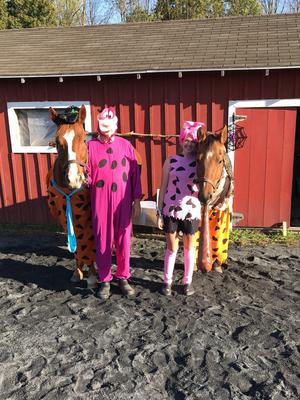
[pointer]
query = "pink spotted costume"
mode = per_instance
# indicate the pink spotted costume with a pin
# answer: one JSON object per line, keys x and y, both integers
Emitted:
{"x": 181, "y": 206}
{"x": 114, "y": 179}
{"x": 181, "y": 197}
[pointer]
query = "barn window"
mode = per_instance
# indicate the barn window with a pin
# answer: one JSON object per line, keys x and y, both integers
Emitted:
{"x": 30, "y": 127}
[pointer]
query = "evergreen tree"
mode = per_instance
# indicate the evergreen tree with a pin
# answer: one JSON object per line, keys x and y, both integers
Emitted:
{"x": 3, "y": 14}
{"x": 139, "y": 14}
{"x": 31, "y": 13}
{"x": 244, "y": 7}
{"x": 187, "y": 9}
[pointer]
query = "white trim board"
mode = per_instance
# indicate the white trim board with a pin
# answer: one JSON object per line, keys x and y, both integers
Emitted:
{"x": 14, "y": 126}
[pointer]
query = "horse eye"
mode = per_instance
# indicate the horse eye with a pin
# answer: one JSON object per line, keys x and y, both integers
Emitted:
{"x": 110, "y": 114}
{"x": 105, "y": 115}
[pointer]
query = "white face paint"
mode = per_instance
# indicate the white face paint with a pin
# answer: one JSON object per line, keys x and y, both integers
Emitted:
{"x": 75, "y": 179}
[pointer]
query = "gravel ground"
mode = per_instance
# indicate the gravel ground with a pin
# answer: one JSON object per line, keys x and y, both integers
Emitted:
{"x": 236, "y": 338}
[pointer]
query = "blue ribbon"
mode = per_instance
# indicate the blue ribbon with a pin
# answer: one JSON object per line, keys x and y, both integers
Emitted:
{"x": 72, "y": 245}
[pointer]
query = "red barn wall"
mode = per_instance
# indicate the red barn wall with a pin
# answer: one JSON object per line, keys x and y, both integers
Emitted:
{"x": 157, "y": 103}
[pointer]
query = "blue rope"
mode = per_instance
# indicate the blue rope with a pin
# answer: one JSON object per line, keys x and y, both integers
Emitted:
{"x": 72, "y": 245}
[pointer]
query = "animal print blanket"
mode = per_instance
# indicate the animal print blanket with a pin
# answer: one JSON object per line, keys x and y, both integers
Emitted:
{"x": 82, "y": 220}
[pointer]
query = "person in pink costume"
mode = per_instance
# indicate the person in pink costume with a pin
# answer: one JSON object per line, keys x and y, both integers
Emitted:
{"x": 115, "y": 186}
{"x": 179, "y": 207}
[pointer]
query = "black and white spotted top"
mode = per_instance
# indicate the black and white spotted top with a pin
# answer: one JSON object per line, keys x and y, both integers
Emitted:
{"x": 181, "y": 197}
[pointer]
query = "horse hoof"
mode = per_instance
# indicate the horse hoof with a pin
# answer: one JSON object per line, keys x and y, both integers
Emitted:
{"x": 218, "y": 269}
{"x": 76, "y": 277}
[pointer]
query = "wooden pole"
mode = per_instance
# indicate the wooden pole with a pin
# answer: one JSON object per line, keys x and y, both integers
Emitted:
{"x": 284, "y": 228}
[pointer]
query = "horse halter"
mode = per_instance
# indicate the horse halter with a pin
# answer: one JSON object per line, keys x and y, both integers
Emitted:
{"x": 204, "y": 179}
{"x": 82, "y": 164}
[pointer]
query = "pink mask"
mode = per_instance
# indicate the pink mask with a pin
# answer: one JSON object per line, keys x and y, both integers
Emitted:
{"x": 107, "y": 122}
{"x": 189, "y": 129}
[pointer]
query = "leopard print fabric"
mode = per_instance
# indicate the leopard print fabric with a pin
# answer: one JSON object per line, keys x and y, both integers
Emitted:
{"x": 219, "y": 228}
{"x": 82, "y": 220}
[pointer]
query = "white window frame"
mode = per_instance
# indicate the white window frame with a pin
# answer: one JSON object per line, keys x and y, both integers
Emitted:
{"x": 265, "y": 103}
{"x": 14, "y": 125}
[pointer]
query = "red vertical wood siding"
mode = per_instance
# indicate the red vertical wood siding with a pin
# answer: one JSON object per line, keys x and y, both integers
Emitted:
{"x": 157, "y": 103}
{"x": 263, "y": 167}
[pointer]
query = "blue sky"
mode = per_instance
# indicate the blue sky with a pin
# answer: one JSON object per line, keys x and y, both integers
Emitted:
{"x": 115, "y": 18}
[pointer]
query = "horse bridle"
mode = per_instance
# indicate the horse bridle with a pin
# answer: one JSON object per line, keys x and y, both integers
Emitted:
{"x": 204, "y": 179}
{"x": 82, "y": 164}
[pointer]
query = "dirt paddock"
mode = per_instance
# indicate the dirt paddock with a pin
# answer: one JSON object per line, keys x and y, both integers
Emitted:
{"x": 236, "y": 338}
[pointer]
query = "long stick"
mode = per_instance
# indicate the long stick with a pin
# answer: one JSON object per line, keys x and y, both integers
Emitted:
{"x": 139, "y": 134}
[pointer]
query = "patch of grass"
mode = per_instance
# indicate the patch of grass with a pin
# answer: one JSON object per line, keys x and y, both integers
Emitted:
{"x": 263, "y": 237}
{"x": 239, "y": 236}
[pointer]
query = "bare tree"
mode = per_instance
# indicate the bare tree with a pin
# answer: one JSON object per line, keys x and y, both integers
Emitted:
{"x": 293, "y": 6}
{"x": 126, "y": 9}
{"x": 69, "y": 12}
{"x": 273, "y": 6}
{"x": 98, "y": 12}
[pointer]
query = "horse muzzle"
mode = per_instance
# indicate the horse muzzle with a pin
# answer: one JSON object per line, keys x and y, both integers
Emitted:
{"x": 207, "y": 189}
{"x": 204, "y": 198}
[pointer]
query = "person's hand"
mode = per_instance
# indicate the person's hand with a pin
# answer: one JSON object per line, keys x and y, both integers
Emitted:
{"x": 160, "y": 222}
{"x": 136, "y": 209}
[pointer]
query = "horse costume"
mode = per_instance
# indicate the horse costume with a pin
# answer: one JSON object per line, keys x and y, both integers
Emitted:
{"x": 67, "y": 189}
{"x": 216, "y": 189}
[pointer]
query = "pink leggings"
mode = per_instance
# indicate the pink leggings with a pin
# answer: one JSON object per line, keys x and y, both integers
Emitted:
{"x": 189, "y": 260}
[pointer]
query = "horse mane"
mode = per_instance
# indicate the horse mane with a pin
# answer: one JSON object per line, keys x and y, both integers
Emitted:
{"x": 210, "y": 138}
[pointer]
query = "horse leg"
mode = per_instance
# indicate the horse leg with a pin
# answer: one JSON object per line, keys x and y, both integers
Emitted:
{"x": 78, "y": 273}
{"x": 219, "y": 228}
{"x": 92, "y": 278}
{"x": 204, "y": 252}
{"x": 217, "y": 267}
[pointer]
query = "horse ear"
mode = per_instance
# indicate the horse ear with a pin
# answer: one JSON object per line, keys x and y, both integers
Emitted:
{"x": 82, "y": 114}
{"x": 52, "y": 113}
{"x": 223, "y": 135}
{"x": 201, "y": 135}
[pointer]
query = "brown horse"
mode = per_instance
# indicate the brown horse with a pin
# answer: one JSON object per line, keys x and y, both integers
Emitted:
{"x": 69, "y": 167}
{"x": 69, "y": 196}
{"x": 215, "y": 181}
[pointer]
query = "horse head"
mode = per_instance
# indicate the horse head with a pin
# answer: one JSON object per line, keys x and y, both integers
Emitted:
{"x": 70, "y": 165}
{"x": 210, "y": 163}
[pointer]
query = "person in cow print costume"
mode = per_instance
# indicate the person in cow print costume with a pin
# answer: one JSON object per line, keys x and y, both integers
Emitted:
{"x": 179, "y": 207}
{"x": 115, "y": 186}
